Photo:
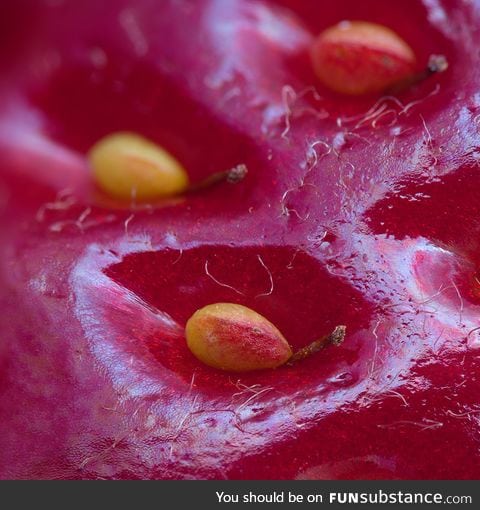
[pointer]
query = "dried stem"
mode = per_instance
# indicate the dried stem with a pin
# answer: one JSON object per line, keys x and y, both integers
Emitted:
{"x": 336, "y": 337}
{"x": 232, "y": 176}
{"x": 436, "y": 64}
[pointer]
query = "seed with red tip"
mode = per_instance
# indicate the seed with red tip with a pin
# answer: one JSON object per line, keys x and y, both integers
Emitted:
{"x": 235, "y": 338}
{"x": 127, "y": 166}
{"x": 357, "y": 57}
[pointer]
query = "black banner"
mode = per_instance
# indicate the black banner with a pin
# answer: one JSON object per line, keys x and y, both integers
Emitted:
{"x": 253, "y": 494}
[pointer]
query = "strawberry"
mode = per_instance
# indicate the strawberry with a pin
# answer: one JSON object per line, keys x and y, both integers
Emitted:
{"x": 338, "y": 210}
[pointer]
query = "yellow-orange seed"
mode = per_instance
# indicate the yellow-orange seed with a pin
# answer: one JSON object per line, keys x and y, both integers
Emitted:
{"x": 235, "y": 338}
{"x": 128, "y": 166}
{"x": 358, "y": 57}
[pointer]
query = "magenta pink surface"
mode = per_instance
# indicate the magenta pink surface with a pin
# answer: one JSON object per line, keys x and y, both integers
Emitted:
{"x": 363, "y": 212}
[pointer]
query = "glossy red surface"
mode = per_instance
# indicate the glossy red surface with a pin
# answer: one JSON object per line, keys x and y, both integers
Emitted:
{"x": 355, "y": 211}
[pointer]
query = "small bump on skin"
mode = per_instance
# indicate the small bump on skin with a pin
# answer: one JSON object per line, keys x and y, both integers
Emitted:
{"x": 127, "y": 164}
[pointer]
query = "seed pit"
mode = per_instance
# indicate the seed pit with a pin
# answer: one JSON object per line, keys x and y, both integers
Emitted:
{"x": 306, "y": 302}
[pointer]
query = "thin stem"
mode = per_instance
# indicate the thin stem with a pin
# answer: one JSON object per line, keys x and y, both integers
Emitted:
{"x": 436, "y": 64}
{"x": 232, "y": 176}
{"x": 336, "y": 337}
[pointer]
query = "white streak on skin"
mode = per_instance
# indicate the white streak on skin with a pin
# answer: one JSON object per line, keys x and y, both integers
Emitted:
{"x": 312, "y": 154}
{"x": 220, "y": 283}
{"x": 255, "y": 388}
{"x": 287, "y": 210}
{"x": 63, "y": 201}
{"x": 179, "y": 257}
{"x": 398, "y": 395}
{"x": 185, "y": 418}
{"x": 102, "y": 453}
{"x": 84, "y": 215}
{"x": 193, "y": 412}
{"x": 127, "y": 222}
{"x": 80, "y": 223}
{"x": 284, "y": 208}
{"x": 371, "y": 117}
{"x": 287, "y": 91}
{"x": 111, "y": 409}
{"x": 181, "y": 425}
{"x": 434, "y": 347}
{"x": 340, "y": 171}
{"x": 390, "y": 111}
{"x": 312, "y": 160}
{"x": 466, "y": 414}
{"x": 137, "y": 410}
{"x": 290, "y": 264}
{"x": 192, "y": 382}
{"x": 374, "y": 332}
{"x": 410, "y": 105}
{"x": 377, "y": 108}
{"x": 427, "y": 424}
{"x": 429, "y": 138}
{"x": 269, "y": 275}
{"x": 473, "y": 343}
{"x": 253, "y": 397}
{"x": 379, "y": 397}
{"x": 440, "y": 291}
{"x": 360, "y": 137}
{"x": 290, "y": 97}
{"x": 473, "y": 331}
{"x": 59, "y": 226}
{"x": 459, "y": 298}
{"x": 380, "y": 108}
{"x": 129, "y": 23}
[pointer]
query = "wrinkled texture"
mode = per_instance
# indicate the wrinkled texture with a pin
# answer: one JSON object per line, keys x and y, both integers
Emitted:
{"x": 354, "y": 211}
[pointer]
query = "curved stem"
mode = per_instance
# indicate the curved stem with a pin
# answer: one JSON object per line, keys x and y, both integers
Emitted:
{"x": 233, "y": 175}
{"x": 336, "y": 337}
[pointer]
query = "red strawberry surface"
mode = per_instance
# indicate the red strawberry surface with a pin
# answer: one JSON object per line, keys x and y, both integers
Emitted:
{"x": 363, "y": 212}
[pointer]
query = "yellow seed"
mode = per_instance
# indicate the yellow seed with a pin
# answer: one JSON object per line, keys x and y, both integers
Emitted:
{"x": 233, "y": 337}
{"x": 358, "y": 57}
{"x": 128, "y": 166}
